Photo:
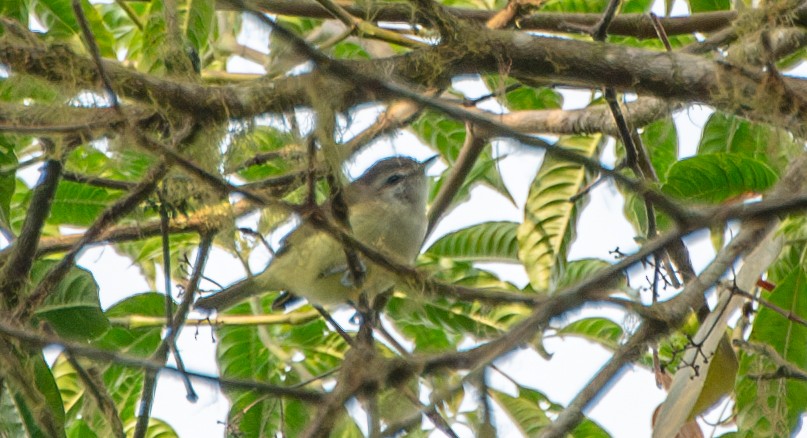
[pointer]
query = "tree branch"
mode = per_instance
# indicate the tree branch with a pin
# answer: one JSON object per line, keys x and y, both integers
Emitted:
{"x": 636, "y": 25}
{"x": 35, "y": 339}
{"x": 676, "y": 76}
{"x": 110, "y": 215}
{"x": 21, "y": 254}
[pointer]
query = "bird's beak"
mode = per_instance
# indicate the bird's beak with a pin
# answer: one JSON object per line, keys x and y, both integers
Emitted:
{"x": 429, "y": 161}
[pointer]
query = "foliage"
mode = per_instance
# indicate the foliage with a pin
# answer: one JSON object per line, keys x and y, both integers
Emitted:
{"x": 167, "y": 141}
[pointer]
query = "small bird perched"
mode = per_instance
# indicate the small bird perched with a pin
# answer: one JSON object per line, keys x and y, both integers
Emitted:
{"x": 386, "y": 211}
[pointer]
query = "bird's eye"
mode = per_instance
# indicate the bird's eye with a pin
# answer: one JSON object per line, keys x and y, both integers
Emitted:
{"x": 392, "y": 179}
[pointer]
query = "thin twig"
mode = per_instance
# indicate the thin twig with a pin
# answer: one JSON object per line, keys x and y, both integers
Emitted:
{"x": 92, "y": 47}
{"x": 294, "y": 318}
{"x": 470, "y": 152}
{"x": 341, "y": 70}
{"x": 106, "y": 183}
{"x": 787, "y": 314}
{"x": 368, "y": 29}
{"x": 784, "y": 368}
{"x": 673, "y": 313}
{"x": 600, "y": 29}
{"x": 35, "y": 338}
{"x": 95, "y": 387}
{"x": 662, "y": 34}
{"x": 109, "y": 216}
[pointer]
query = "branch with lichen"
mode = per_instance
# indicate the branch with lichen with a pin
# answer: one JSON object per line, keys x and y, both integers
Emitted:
{"x": 678, "y": 76}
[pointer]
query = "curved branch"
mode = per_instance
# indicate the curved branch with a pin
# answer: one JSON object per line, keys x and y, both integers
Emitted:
{"x": 197, "y": 223}
{"x": 636, "y": 25}
{"x": 35, "y": 339}
{"x": 109, "y": 216}
{"x": 679, "y": 77}
{"x": 14, "y": 273}
{"x": 593, "y": 119}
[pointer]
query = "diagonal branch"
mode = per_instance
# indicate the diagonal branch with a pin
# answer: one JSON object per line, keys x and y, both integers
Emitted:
{"x": 35, "y": 339}
{"x": 21, "y": 255}
{"x": 169, "y": 341}
{"x": 671, "y": 315}
{"x": 473, "y": 147}
{"x": 109, "y": 216}
{"x": 679, "y": 77}
{"x": 94, "y": 385}
{"x": 673, "y": 312}
{"x": 636, "y": 25}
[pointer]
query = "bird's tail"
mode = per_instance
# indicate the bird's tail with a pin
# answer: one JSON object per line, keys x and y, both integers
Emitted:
{"x": 230, "y": 296}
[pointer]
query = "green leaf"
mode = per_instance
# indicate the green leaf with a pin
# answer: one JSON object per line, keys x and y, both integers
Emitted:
{"x": 79, "y": 204}
{"x": 73, "y": 309}
{"x": 444, "y": 134}
{"x": 602, "y": 331}
{"x": 636, "y": 213}
{"x": 486, "y": 171}
{"x": 660, "y": 138}
{"x": 299, "y": 25}
{"x": 46, "y": 385}
{"x": 676, "y": 41}
{"x": 19, "y": 87}
{"x": 578, "y": 270}
{"x": 140, "y": 342}
{"x": 709, "y": 5}
{"x": 252, "y": 415}
{"x": 11, "y": 422}
{"x": 714, "y": 178}
{"x": 791, "y": 258}
{"x": 489, "y": 241}
{"x": 8, "y": 181}
{"x": 525, "y": 410}
{"x": 345, "y": 427}
{"x": 60, "y": 20}
{"x": 100, "y": 33}
{"x": 125, "y": 384}
{"x": 128, "y": 164}
{"x": 523, "y": 97}
{"x": 636, "y": 6}
{"x": 20, "y": 202}
{"x": 437, "y": 324}
{"x": 71, "y": 390}
{"x": 447, "y": 136}
{"x": 152, "y": 44}
{"x": 125, "y": 31}
{"x": 528, "y": 98}
{"x": 349, "y": 50}
{"x": 262, "y": 139}
{"x": 791, "y": 60}
{"x": 147, "y": 254}
{"x": 42, "y": 381}
{"x": 199, "y": 23}
{"x": 275, "y": 354}
{"x": 80, "y": 429}
{"x": 57, "y": 16}
{"x": 531, "y": 411}
{"x": 16, "y": 10}
{"x": 594, "y": 6}
{"x": 549, "y": 217}
{"x": 156, "y": 429}
{"x": 729, "y": 133}
{"x": 773, "y": 407}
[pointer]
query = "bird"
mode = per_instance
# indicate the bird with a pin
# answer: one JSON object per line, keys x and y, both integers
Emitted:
{"x": 386, "y": 210}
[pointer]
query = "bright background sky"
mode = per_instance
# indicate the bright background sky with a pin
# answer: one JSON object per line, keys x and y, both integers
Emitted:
{"x": 626, "y": 407}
